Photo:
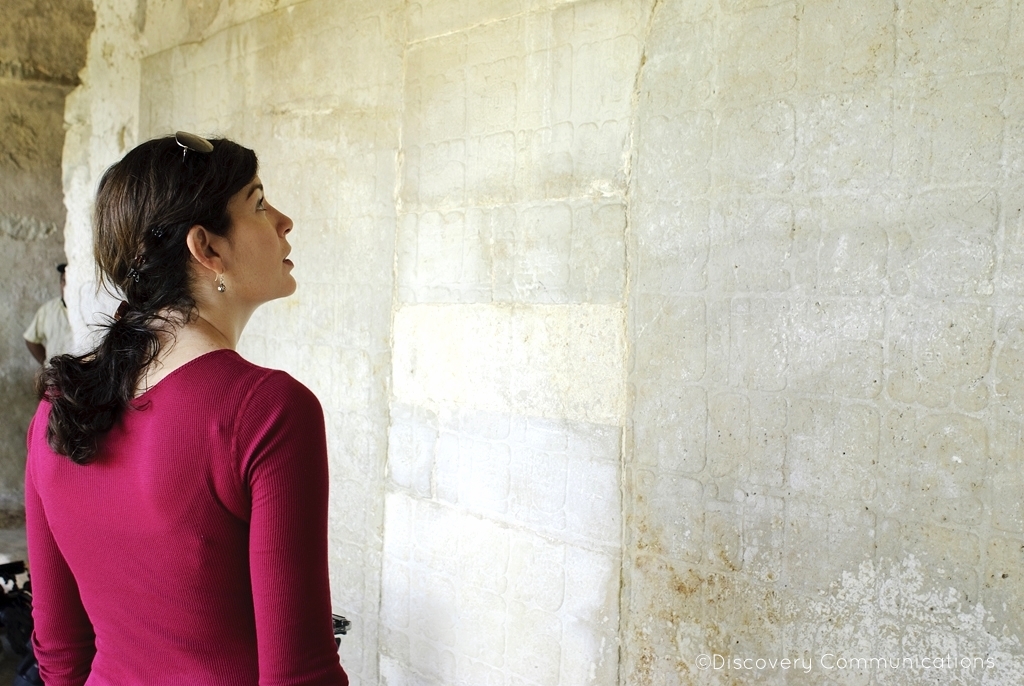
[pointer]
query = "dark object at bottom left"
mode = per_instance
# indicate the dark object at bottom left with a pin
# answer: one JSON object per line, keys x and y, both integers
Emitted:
{"x": 16, "y": 622}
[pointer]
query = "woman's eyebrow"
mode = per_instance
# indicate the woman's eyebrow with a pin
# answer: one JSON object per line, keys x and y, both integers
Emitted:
{"x": 258, "y": 186}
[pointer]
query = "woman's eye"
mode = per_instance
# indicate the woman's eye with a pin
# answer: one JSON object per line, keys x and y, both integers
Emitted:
{"x": 259, "y": 205}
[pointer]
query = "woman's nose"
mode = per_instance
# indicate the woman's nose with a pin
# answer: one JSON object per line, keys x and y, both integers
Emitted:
{"x": 285, "y": 223}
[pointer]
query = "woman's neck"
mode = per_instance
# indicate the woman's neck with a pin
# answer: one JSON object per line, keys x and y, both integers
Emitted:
{"x": 184, "y": 343}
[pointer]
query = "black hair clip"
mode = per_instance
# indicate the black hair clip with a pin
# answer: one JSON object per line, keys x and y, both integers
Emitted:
{"x": 133, "y": 274}
{"x": 158, "y": 232}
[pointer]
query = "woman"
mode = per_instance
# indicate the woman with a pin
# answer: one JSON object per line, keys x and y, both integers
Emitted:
{"x": 175, "y": 494}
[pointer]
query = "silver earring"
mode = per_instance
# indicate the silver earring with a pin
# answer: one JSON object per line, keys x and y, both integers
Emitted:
{"x": 220, "y": 284}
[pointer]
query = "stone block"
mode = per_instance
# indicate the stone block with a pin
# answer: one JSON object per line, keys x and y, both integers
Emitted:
{"x": 671, "y": 247}
{"x": 46, "y": 43}
{"x": 492, "y": 87}
{"x": 951, "y": 556}
{"x": 546, "y": 165}
{"x": 1005, "y": 478}
{"x": 935, "y": 349}
{"x": 669, "y": 516}
{"x": 411, "y": 441}
{"x": 444, "y": 257}
{"x": 354, "y": 444}
{"x": 546, "y": 99}
{"x": 497, "y": 603}
{"x": 951, "y": 468}
{"x": 597, "y": 258}
{"x": 723, "y": 534}
{"x": 600, "y": 150}
{"x": 1009, "y": 367}
{"x": 823, "y": 355}
{"x": 763, "y": 537}
{"x": 537, "y": 573}
{"x": 568, "y": 362}
{"x": 394, "y": 607}
{"x": 670, "y": 426}
{"x": 945, "y": 244}
{"x": 435, "y": 535}
{"x": 361, "y": 317}
{"x": 768, "y": 436}
{"x": 30, "y": 153}
{"x": 616, "y": 60}
{"x": 1013, "y": 134}
{"x": 852, "y": 245}
{"x": 491, "y": 168}
{"x": 927, "y": 33}
{"x": 751, "y": 247}
{"x": 846, "y": 43}
{"x": 846, "y": 140}
{"x": 484, "y": 556}
{"x": 678, "y": 75}
{"x": 935, "y": 467}
{"x": 539, "y": 486}
{"x": 674, "y": 155}
{"x": 586, "y": 657}
{"x": 728, "y": 433}
{"x": 1010, "y": 277}
{"x": 949, "y": 129}
{"x": 435, "y": 91}
{"x": 758, "y": 349}
{"x": 535, "y": 655}
{"x": 481, "y": 634}
{"x": 591, "y": 590}
{"x": 555, "y": 477}
{"x": 823, "y": 540}
{"x": 548, "y": 253}
{"x": 543, "y": 240}
{"x": 484, "y": 475}
{"x": 435, "y": 664}
{"x": 1002, "y": 588}
{"x": 755, "y": 146}
{"x": 670, "y": 337}
{"x": 832, "y": 450}
{"x": 757, "y": 60}
{"x": 435, "y": 175}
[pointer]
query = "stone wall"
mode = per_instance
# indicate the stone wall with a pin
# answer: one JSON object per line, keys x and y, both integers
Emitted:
{"x": 42, "y": 47}
{"x": 825, "y": 312}
{"x": 646, "y": 330}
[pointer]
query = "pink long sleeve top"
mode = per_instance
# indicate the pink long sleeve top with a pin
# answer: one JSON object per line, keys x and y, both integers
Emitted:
{"x": 193, "y": 549}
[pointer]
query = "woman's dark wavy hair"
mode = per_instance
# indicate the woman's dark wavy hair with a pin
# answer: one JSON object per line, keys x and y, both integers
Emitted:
{"x": 145, "y": 206}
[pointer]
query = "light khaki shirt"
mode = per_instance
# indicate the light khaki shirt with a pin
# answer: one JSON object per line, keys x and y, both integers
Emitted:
{"x": 50, "y": 328}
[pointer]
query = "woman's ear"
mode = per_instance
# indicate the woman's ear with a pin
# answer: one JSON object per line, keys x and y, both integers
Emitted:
{"x": 204, "y": 248}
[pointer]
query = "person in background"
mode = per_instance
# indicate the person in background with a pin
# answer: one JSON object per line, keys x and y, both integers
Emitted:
{"x": 175, "y": 493}
{"x": 49, "y": 334}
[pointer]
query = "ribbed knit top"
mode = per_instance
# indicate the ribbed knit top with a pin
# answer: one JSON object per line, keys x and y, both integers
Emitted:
{"x": 193, "y": 549}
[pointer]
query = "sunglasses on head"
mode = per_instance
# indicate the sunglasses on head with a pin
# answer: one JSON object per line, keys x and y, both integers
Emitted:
{"x": 190, "y": 141}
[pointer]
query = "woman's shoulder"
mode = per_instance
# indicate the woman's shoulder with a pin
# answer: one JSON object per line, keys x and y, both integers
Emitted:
{"x": 266, "y": 386}
{"x": 228, "y": 379}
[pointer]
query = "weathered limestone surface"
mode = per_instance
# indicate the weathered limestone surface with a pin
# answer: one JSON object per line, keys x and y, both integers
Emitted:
{"x": 644, "y": 330}
{"x": 823, "y": 314}
{"x": 42, "y": 47}
{"x": 503, "y": 525}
